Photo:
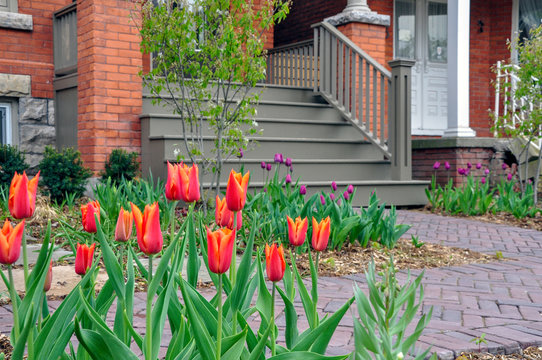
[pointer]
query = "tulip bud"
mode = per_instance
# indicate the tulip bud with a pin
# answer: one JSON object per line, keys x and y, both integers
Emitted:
{"x": 334, "y": 185}
{"x": 509, "y": 177}
{"x": 350, "y": 189}
{"x": 302, "y": 190}
{"x": 436, "y": 165}
{"x": 447, "y": 165}
{"x": 322, "y": 199}
{"x": 48, "y": 278}
{"x": 320, "y": 234}
{"x": 332, "y": 196}
{"x": 483, "y": 181}
{"x": 88, "y": 211}
{"x": 469, "y": 165}
{"x": 236, "y": 190}
{"x": 274, "y": 262}
{"x": 83, "y": 258}
{"x": 486, "y": 171}
{"x": 478, "y": 166}
{"x": 288, "y": 162}
{"x": 220, "y": 249}
{"x": 504, "y": 166}
{"x": 346, "y": 195}
{"x": 10, "y": 242}
{"x": 269, "y": 166}
{"x": 278, "y": 158}
{"x": 149, "y": 234}
{"x": 288, "y": 179}
{"x": 263, "y": 165}
{"x": 123, "y": 230}
{"x": 22, "y": 196}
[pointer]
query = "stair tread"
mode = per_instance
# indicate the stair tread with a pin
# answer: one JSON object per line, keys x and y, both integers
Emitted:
{"x": 264, "y": 138}
{"x": 352, "y": 182}
{"x": 306, "y": 161}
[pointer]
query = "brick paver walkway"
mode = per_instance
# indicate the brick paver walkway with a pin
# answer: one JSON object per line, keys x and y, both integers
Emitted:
{"x": 501, "y": 299}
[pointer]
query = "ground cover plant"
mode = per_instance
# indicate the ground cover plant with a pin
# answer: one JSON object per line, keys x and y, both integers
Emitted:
{"x": 211, "y": 329}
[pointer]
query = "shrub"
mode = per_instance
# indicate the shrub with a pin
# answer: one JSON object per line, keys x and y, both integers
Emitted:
{"x": 121, "y": 164}
{"x": 63, "y": 173}
{"x": 11, "y": 160}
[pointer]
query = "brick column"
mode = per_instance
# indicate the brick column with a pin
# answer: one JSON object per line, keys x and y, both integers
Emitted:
{"x": 109, "y": 86}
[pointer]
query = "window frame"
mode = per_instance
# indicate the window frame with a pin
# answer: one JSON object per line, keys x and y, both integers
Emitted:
{"x": 12, "y": 6}
{"x": 7, "y": 140}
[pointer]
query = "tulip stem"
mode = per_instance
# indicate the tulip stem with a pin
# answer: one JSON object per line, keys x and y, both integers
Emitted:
{"x": 14, "y": 304}
{"x": 148, "y": 355}
{"x": 25, "y": 260}
{"x": 219, "y": 325}
{"x": 172, "y": 222}
{"x": 273, "y": 320}
{"x": 233, "y": 268}
{"x": 317, "y": 261}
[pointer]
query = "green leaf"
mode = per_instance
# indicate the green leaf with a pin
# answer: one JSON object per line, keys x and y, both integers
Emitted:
{"x": 193, "y": 260}
{"x": 291, "y": 330}
{"x": 112, "y": 266}
{"x": 239, "y": 291}
{"x": 305, "y": 298}
{"x": 19, "y": 348}
{"x": 233, "y": 346}
{"x": 306, "y": 355}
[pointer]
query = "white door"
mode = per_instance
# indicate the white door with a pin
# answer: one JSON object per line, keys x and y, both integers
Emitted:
{"x": 421, "y": 34}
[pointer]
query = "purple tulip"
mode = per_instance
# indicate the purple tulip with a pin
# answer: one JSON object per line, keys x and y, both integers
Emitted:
{"x": 279, "y": 158}
{"x": 504, "y": 166}
{"x": 483, "y": 180}
{"x": 346, "y": 195}
{"x": 461, "y": 171}
{"x": 291, "y": 169}
{"x": 447, "y": 165}
{"x": 467, "y": 171}
{"x": 469, "y": 165}
{"x": 241, "y": 153}
{"x": 332, "y": 196}
{"x": 264, "y": 189}
{"x": 288, "y": 179}
{"x": 263, "y": 165}
{"x": 479, "y": 166}
{"x": 350, "y": 189}
{"x": 269, "y": 166}
{"x": 486, "y": 171}
{"x": 334, "y": 185}
{"x": 529, "y": 181}
{"x": 322, "y": 199}
{"x": 509, "y": 176}
{"x": 288, "y": 162}
{"x": 338, "y": 201}
{"x": 436, "y": 165}
{"x": 303, "y": 190}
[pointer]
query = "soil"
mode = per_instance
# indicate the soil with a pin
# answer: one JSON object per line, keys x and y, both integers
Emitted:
{"x": 354, "y": 259}
{"x": 5, "y": 347}
{"x": 533, "y": 352}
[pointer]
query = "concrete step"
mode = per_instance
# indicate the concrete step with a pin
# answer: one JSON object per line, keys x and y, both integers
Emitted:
{"x": 160, "y": 124}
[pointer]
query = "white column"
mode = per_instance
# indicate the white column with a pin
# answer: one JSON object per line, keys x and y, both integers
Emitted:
{"x": 458, "y": 69}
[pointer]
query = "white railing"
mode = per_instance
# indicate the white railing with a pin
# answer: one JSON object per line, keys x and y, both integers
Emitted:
{"x": 508, "y": 106}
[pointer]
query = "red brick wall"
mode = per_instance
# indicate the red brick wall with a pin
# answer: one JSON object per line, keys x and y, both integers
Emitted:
{"x": 31, "y": 52}
{"x": 486, "y": 48}
{"x": 109, "y": 84}
{"x": 303, "y": 13}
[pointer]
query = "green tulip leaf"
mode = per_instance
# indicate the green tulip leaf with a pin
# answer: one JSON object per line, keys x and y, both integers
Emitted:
{"x": 306, "y": 355}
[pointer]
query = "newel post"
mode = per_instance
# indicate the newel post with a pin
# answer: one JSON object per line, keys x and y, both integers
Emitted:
{"x": 399, "y": 124}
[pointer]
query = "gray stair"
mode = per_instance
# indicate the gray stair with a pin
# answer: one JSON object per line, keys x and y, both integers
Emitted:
{"x": 300, "y": 125}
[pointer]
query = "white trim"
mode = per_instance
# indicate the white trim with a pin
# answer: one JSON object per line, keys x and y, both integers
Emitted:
{"x": 432, "y": 132}
{"x": 7, "y": 106}
{"x": 514, "y": 31}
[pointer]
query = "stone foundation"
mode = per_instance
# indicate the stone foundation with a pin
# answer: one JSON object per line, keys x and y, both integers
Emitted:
{"x": 490, "y": 152}
{"x": 36, "y": 128}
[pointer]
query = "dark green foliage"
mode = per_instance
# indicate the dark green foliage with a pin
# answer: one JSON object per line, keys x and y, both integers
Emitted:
{"x": 63, "y": 173}
{"x": 121, "y": 164}
{"x": 11, "y": 160}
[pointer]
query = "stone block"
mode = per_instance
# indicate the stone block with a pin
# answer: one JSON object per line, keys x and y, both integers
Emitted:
{"x": 17, "y": 21}
{"x": 51, "y": 112}
{"x": 34, "y": 139}
{"x": 33, "y": 110}
{"x": 14, "y": 85}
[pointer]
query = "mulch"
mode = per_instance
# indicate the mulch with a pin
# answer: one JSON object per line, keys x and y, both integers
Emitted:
{"x": 531, "y": 353}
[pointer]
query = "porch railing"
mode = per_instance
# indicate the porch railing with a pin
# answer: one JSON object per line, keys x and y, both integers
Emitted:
{"x": 513, "y": 109}
{"x": 374, "y": 100}
{"x": 291, "y": 65}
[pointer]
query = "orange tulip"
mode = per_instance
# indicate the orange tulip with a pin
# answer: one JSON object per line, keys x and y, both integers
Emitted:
{"x": 189, "y": 183}
{"x": 48, "y": 278}
{"x": 173, "y": 184}
{"x": 297, "y": 232}
{"x": 149, "y": 234}
{"x": 88, "y": 211}
{"x": 10, "y": 242}
{"x": 274, "y": 262}
{"x": 236, "y": 190}
{"x": 83, "y": 258}
{"x": 220, "y": 249}
{"x": 123, "y": 230}
{"x": 22, "y": 196}
{"x": 320, "y": 234}
{"x": 224, "y": 216}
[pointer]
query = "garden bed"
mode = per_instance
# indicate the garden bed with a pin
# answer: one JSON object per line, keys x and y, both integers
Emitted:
{"x": 531, "y": 353}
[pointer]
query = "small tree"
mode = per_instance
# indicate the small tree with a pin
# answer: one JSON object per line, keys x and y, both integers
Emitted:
{"x": 524, "y": 102}
{"x": 207, "y": 56}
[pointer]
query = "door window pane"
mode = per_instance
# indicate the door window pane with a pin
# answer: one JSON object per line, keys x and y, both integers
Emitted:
{"x": 530, "y": 17}
{"x": 3, "y": 121}
{"x": 437, "y": 32}
{"x": 405, "y": 29}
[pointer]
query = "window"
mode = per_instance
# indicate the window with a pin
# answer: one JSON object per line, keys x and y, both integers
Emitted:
{"x": 8, "y": 5}
{"x": 529, "y": 17}
{"x": 5, "y": 124}
{"x": 405, "y": 29}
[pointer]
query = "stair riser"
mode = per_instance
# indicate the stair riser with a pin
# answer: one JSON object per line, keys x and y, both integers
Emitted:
{"x": 158, "y": 126}
{"x": 301, "y": 150}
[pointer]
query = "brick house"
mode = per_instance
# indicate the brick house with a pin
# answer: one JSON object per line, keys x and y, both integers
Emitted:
{"x": 69, "y": 74}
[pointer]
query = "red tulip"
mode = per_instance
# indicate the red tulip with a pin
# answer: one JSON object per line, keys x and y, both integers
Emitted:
{"x": 149, "y": 234}
{"x": 220, "y": 249}
{"x": 274, "y": 262}
{"x": 83, "y": 258}
{"x": 297, "y": 232}
{"x": 236, "y": 190}
{"x": 123, "y": 230}
{"x": 48, "y": 278}
{"x": 10, "y": 242}
{"x": 173, "y": 184}
{"x": 320, "y": 234}
{"x": 224, "y": 216}
{"x": 22, "y": 196}
{"x": 88, "y": 211}
{"x": 189, "y": 183}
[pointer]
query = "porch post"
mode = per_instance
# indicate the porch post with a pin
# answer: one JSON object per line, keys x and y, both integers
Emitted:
{"x": 458, "y": 69}
{"x": 399, "y": 123}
